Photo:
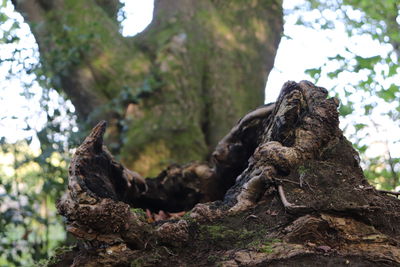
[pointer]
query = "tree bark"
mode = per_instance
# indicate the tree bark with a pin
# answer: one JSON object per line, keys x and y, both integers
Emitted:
{"x": 284, "y": 188}
{"x": 169, "y": 93}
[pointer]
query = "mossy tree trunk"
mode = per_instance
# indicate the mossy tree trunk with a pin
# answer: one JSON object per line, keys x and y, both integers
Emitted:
{"x": 174, "y": 90}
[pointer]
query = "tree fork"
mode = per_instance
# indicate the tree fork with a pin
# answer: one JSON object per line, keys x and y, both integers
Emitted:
{"x": 162, "y": 90}
{"x": 246, "y": 207}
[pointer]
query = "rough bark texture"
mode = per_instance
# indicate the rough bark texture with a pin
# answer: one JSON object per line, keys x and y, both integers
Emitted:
{"x": 284, "y": 188}
{"x": 173, "y": 91}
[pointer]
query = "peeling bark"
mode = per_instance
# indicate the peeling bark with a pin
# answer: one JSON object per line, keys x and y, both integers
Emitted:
{"x": 284, "y": 188}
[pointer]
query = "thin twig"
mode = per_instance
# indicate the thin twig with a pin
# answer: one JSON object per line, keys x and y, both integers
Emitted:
{"x": 286, "y": 180}
{"x": 296, "y": 183}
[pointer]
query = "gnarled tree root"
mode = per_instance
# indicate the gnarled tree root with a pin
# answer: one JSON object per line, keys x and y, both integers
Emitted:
{"x": 248, "y": 207}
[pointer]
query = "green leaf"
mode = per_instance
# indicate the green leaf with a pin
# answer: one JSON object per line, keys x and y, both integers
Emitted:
{"x": 366, "y": 62}
{"x": 392, "y": 70}
{"x": 347, "y": 109}
{"x": 334, "y": 74}
{"x": 360, "y": 126}
{"x": 368, "y": 109}
{"x": 362, "y": 148}
{"x": 337, "y": 57}
{"x": 314, "y": 73}
{"x": 389, "y": 95}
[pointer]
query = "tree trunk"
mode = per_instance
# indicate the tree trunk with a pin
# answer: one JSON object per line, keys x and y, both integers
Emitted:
{"x": 284, "y": 189}
{"x": 169, "y": 93}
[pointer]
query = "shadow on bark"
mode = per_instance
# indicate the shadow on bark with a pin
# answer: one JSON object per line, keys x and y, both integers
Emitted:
{"x": 284, "y": 188}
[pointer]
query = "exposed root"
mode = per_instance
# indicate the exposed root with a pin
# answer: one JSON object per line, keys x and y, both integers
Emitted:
{"x": 289, "y": 206}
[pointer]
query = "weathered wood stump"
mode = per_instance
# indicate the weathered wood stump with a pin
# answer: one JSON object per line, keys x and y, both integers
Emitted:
{"x": 284, "y": 188}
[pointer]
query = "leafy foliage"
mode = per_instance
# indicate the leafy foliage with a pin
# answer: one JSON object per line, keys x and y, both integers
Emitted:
{"x": 29, "y": 226}
{"x": 32, "y": 178}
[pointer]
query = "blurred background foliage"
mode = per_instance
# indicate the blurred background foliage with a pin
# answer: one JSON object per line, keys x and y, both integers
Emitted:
{"x": 370, "y": 100}
{"x": 33, "y": 169}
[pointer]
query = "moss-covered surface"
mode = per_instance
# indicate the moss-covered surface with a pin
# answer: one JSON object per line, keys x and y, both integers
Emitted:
{"x": 191, "y": 74}
{"x": 209, "y": 243}
{"x": 85, "y": 38}
{"x": 211, "y": 75}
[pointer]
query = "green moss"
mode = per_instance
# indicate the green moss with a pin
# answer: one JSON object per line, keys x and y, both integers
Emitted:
{"x": 266, "y": 249}
{"x": 212, "y": 258}
{"x": 84, "y": 39}
{"x": 188, "y": 218}
{"x": 140, "y": 212}
{"x": 302, "y": 170}
{"x": 196, "y": 103}
{"x": 217, "y": 233}
{"x": 139, "y": 262}
{"x": 268, "y": 246}
{"x": 151, "y": 144}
